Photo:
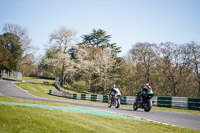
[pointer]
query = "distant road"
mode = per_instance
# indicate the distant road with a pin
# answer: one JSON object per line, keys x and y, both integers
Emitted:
{"x": 172, "y": 118}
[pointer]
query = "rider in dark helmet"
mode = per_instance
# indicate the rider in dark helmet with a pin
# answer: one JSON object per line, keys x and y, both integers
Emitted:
{"x": 143, "y": 92}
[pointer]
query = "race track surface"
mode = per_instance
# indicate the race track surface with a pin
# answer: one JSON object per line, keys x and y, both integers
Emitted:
{"x": 172, "y": 118}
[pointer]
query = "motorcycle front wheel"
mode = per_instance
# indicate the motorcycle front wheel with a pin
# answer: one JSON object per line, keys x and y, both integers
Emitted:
{"x": 117, "y": 103}
{"x": 135, "y": 106}
{"x": 148, "y": 106}
{"x": 109, "y": 103}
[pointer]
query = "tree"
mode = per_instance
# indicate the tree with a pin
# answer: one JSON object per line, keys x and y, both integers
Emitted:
{"x": 25, "y": 42}
{"x": 63, "y": 39}
{"x": 12, "y": 44}
{"x": 28, "y": 67}
{"x": 98, "y": 38}
{"x": 193, "y": 52}
{"x": 6, "y": 59}
{"x": 128, "y": 81}
{"x": 103, "y": 56}
{"x": 22, "y": 33}
{"x": 103, "y": 65}
{"x": 144, "y": 54}
{"x": 173, "y": 66}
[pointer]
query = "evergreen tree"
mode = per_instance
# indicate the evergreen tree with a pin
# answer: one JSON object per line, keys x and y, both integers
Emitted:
{"x": 98, "y": 38}
{"x": 12, "y": 43}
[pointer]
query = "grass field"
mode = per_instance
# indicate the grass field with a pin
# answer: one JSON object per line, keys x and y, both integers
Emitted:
{"x": 31, "y": 119}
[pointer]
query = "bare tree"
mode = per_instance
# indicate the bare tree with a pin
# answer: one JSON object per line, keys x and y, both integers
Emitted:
{"x": 144, "y": 53}
{"x": 63, "y": 38}
{"x": 193, "y": 52}
{"x": 173, "y": 66}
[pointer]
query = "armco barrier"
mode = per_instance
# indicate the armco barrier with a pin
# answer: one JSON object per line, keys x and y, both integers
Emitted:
{"x": 130, "y": 100}
{"x": 179, "y": 102}
{"x": 93, "y": 97}
{"x": 123, "y": 101}
{"x": 99, "y": 98}
{"x": 105, "y": 98}
{"x": 83, "y": 96}
{"x": 164, "y": 102}
{"x": 170, "y": 102}
{"x": 88, "y": 97}
{"x": 194, "y": 103}
{"x": 74, "y": 96}
{"x": 67, "y": 95}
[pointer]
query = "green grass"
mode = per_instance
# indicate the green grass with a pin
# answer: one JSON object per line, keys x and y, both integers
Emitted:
{"x": 37, "y": 88}
{"x": 30, "y": 119}
{"x": 37, "y": 79}
{"x": 42, "y": 89}
{"x": 18, "y": 100}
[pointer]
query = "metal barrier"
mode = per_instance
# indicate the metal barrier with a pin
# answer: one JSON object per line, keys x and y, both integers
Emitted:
{"x": 170, "y": 102}
{"x": 164, "y": 102}
{"x": 12, "y": 74}
{"x": 194, "y": 103}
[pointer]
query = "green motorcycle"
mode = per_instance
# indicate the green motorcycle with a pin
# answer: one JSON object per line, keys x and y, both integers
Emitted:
{"x": 146, "y": 103}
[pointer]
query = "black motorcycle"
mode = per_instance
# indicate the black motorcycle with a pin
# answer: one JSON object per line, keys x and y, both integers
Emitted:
{"x": 146, "y": 104}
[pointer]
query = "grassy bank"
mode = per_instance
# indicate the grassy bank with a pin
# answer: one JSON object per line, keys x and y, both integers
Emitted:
{"x": 31, "y": 119}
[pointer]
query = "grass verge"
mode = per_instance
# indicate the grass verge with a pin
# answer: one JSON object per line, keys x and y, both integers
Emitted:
{"x": 41, "y": 90}
{"x": 18, "y": 100}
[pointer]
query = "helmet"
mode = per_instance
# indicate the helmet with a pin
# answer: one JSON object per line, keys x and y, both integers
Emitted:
{"x": 146, "y": 85}
{"x": 114, "y": 86}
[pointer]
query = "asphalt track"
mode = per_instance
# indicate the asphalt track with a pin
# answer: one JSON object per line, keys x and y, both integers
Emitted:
{"x": 171, "y": 118}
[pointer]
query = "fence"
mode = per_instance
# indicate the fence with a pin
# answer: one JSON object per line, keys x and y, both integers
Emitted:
{"x": 12, "y": 74}
{"x": 170, "y": 102}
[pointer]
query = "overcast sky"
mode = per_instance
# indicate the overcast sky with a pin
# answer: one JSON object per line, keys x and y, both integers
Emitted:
{"x": 127, "y": 21}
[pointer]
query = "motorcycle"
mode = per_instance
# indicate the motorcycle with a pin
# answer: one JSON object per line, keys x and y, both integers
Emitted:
{"x": 114, "y": 99}
{"x": 146, "y": 104}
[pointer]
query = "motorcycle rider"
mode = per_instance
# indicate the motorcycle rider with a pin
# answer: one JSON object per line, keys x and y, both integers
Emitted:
{"x": 143, "y": 92}
{"x": 113, "y": 92}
